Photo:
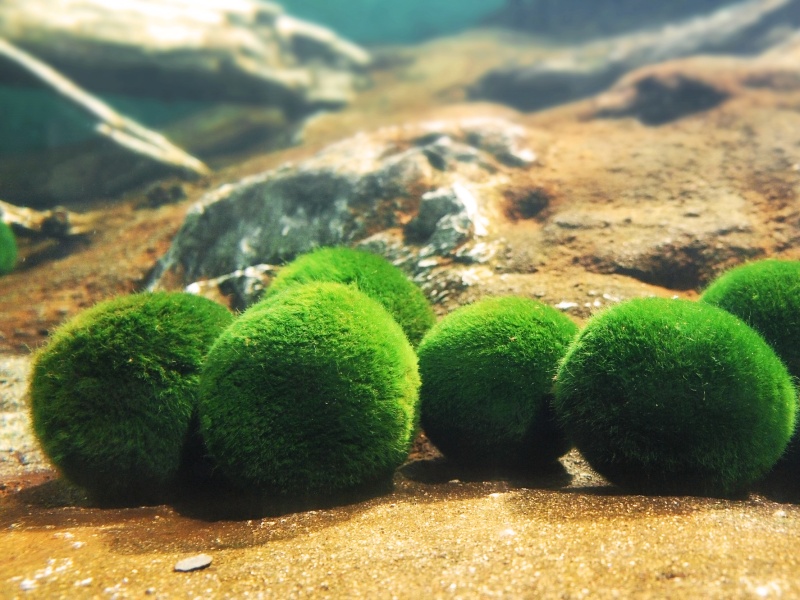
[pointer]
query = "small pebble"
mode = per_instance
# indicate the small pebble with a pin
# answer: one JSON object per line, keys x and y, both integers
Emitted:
{"x": 194, "y": 563}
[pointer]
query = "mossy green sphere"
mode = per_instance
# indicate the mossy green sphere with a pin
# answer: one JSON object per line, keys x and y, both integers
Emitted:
{"x": 315, "y": 393}
{"x": 372, "y": 274}
{"x": 765, "y": 295}
{"x": 672, "y": 396}
{"x": 8, "y": 249}
{"x": 114, "y": 391}
{"x": 487, "y": 374}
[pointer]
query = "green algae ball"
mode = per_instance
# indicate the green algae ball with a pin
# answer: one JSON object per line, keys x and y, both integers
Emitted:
{"x": 765, "y": 295}
{"x": 315, "y": 393}
{"x": 487, "y": 377}
{"x": 8, "y": 249}
{"x": 671, "y": 396}
{"x": 114, "y": 392}
{"x": 372, "y": 274}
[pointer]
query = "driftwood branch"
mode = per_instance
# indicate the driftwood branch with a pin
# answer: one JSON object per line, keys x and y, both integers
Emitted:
{"x": 122, "y": 130}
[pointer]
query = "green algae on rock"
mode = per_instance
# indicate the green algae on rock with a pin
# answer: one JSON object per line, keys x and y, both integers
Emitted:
{"x": 673, "y": 396}
{"x": 114, "y": 392}
{"x": 371, "y": 274}
{"x": 487, "y": 376}
{"x": 313, "y": 393}
{"x": 8, "y": 249}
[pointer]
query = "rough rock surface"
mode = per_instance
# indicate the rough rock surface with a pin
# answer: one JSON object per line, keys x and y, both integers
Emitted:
{"x": 421, "y": 195}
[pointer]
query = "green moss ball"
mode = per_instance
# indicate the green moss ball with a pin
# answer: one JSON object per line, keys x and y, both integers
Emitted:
{"x": 672, "y": 396}
{"x": 8, "y": 249}
{"x": 372, "y": 274}
{"x": 765, "y": 295}
{"x": 114, "y": 391}
{"x": 487, "y": 377}
{"x": 315, "y": 393}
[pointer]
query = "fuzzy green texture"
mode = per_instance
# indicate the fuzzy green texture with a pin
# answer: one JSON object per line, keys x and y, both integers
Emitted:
{"x": 315, "y": 393}
{"x": 374, "y": 275}
{"x": 673, "y": 396}
{"x": 8, "y": 249}
{"x": 114, "y": 391}
{"x": 487, "y": 377}
{"x": 765, "y": 295}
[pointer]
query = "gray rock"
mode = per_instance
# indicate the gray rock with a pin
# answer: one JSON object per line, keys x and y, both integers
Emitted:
{"x": 409, "y": 193}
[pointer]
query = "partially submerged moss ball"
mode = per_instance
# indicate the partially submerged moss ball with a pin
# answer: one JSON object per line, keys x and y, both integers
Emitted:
{"x": 765, "y": 295}
{"x": 313, "y": 394}
{"x": 672, "y": 396}
{"x": 374, "y": 275}
{"x": 8, "y": 249}
{"x": 114, "y": 391}
{"x": 487, "y": 376}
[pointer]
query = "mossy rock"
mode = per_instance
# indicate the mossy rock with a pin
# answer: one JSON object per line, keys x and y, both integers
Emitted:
{"x": 671, "y": 396}
{"x": 8, "y": 249}
{"x": 315, "y": 393}
{"x": 372, "y": 274}
{"x": 487, "y": 378}
{"x": 114, "y": 392}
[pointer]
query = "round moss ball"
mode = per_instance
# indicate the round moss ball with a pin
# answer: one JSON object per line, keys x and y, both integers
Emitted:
{"x": 114, "y": 391}
{"x": 371, "y": 274}
{"x": 8, "y": 249}
{"x": 314, "y": 393}
{"x": 487, "y": 374}
{"x": 672, "y": 396}
{"x": 765, "y": 295}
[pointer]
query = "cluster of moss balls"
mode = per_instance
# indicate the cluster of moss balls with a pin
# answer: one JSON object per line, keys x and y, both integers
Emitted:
{"x": 660, "y": 396}
{"x": 317, "y": 390}
{"x": 311, "y": 392}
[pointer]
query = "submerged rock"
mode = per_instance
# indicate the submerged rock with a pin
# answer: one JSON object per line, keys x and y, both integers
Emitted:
{"x": 418, "y": 194}
{"x": 576, "y": 73}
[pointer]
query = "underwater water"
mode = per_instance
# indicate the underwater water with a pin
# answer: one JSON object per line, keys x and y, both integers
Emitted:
{"x": 579, "y": 154}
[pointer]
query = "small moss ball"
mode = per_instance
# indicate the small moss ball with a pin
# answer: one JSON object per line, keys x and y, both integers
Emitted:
{"x": 672, "y": 396}
{"x": 315, "y": 393}
{"x": 487, "y": 374}
{"x": 114, "y": 391}
{"x": 371, "y": 274}
{"x": 765, "y": 295}
{"x": 8, "y": 249}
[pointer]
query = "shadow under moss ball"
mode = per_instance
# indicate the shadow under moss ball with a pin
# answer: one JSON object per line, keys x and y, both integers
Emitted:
{"x": 114, "y": 391}
{"x": 672, "y": 396}
{"x": 487, "y": 377}
{"x": 8, "y": 249}
{"x": 313, "y": 394}
{"x": 372, "y": 274}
